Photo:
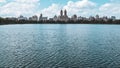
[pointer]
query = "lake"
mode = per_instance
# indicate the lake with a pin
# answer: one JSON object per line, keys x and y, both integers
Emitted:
{"x": 60, "y": 46}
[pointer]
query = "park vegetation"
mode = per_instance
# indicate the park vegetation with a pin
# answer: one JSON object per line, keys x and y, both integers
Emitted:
{"x": 4, "y": 21}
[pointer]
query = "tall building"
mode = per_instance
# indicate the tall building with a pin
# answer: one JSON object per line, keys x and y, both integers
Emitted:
{"x": 35, "y": 18}
{"x": 22, "y": 18}
{"x": 113, "y": 18}
{"x": 105, "y": 18}
{"x": 97, "y": 17}
{"x": 61, "y": 13}
{"x": 63, "y": 17}
{"x": 74, "y": 17}
{"x": 41, "y": 18}
{"x": 91, "y": 18}
{"x": 65, "y": 13}
{"x": 55, "y": 18}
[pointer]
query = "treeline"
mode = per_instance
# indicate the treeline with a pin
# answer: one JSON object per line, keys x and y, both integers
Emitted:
{"x": 4, "y": 21}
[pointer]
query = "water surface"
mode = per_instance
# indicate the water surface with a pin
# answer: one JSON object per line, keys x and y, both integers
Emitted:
{"x": 60, "y": 46}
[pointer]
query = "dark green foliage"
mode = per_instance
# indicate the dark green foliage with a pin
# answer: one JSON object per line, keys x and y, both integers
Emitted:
{"x": 7, "y": 21}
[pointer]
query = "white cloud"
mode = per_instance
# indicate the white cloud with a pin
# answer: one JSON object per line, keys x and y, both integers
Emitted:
{"x": 27, "y": 1}
{"x": 18, "y": 7}
{"x": 2, "y": 1}
{"x": 82, "y": 7}
{"x": 110, "y": 9}
{"x": 51, "y": 10}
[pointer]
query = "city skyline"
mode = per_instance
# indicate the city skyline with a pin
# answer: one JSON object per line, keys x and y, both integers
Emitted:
{"x": 63, "y": 16}
{"x": 50, "y": 8}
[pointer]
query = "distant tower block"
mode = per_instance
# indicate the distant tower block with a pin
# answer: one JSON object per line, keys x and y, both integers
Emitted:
{"x": 40, "y": 18}
{"x": 41, "y": 15}
{"x": 65, "y": 12}
{"x": 61, "y": 13}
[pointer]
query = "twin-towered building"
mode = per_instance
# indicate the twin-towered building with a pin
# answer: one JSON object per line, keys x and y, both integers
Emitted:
{"x": 63, "y": 16}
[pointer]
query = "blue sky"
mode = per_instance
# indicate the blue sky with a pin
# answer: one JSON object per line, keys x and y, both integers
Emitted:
{"x": 86, "y": 8}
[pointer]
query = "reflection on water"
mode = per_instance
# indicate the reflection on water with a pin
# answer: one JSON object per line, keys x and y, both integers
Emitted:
{"x": 66, "y": 46}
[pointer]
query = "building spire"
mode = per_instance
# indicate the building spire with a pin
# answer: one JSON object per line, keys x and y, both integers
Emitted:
{"x": 61, "y": 13}
{"x": 65, "y": 12}
{"x": 41, "y": 15}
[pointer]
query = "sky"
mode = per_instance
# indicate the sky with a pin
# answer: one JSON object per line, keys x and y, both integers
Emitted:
{"x": 50, "y": 8}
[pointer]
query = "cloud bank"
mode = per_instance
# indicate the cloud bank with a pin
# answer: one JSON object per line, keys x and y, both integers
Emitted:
{"x": 81, "y": 8}
{"x": 18, "y": 7}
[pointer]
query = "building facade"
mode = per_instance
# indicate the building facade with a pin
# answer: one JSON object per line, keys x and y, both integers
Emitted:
{"x": 63, "y": 16}
{"x": 41, "y": 18}
{"x": 22, "y": 18}
{"x": 33, "y": 18}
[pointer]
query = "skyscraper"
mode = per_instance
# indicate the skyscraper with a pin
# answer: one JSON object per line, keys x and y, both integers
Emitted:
{"x": 61, "y": 13}
{"x": 63, "y": 17}
{"x": 65, "y": 13}
{"x": 40, "y": 18}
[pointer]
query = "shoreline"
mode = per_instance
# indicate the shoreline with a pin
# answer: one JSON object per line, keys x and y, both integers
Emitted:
{"x": 58, "y": 24}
